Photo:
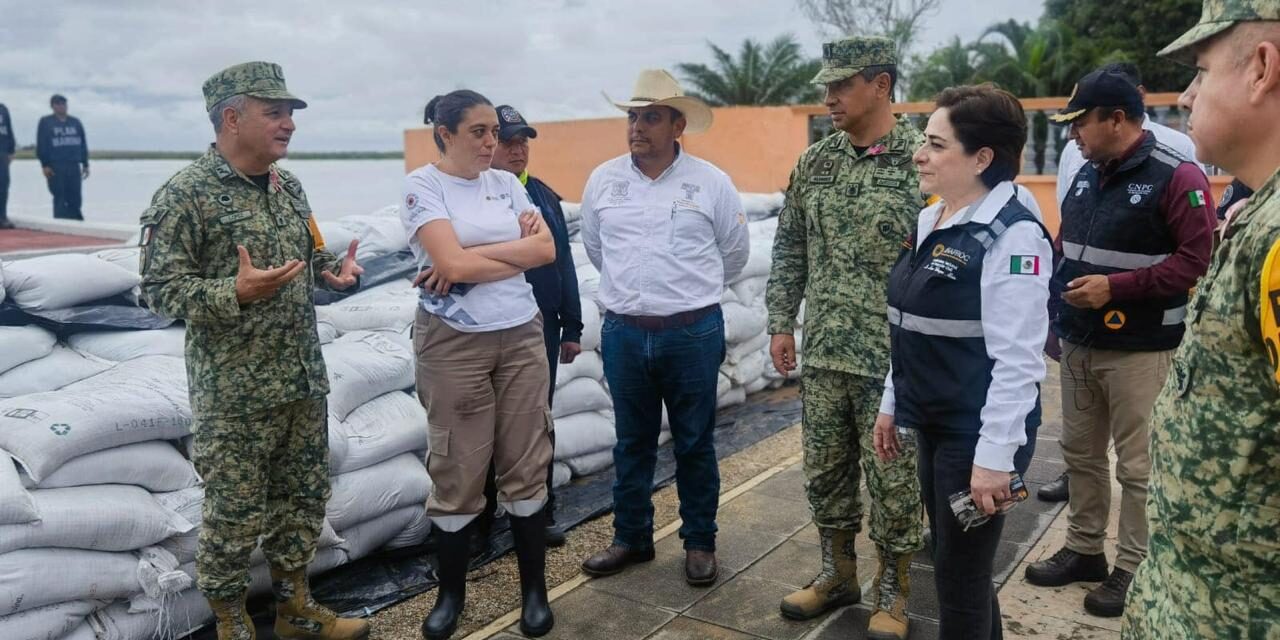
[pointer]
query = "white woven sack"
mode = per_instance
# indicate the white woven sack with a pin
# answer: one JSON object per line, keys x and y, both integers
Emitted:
{"x": 32, "y": 578}
{"x": 118, "y": 346}
{"x": 378, "y": 430}
{"x": 16, "y": 506}
{"x": 175, "y": 617}
{"x": 363, "y": 365}
{"x": 591, "y": 323}
{"x": 100, "y": 518}
{"x": 65, "y": 280}
{"x": 586, "y": 365}
{"x": 63, "y": 366}
{"x": 52, "y": 622}
{"x": 367, "y": 537}
{"x": 580, "y": 396}
{"x": 19, "y": 345}
{"x": 584, "y": 433}
{"x": 367, "y": 493}
{"x": 155, "y": 465}
{"x": 139, "y": 400}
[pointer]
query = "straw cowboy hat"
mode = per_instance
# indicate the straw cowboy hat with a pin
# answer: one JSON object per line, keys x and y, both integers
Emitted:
{"x": 656, "y": 87}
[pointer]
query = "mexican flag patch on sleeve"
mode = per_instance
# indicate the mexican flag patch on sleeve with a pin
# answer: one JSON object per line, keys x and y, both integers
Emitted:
{"x": 1197, "y": 198}
{"x": 1024, "y": 265}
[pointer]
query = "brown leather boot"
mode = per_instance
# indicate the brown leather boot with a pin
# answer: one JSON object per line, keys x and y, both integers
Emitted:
{"x": 298, "y": 617}
{"x": 889, "y": 619}
{"x": 233, "y": 621}
{"x": 837, "y": 584}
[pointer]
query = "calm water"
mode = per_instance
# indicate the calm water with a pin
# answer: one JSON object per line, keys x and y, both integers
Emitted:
{"x": 119, "y": 190}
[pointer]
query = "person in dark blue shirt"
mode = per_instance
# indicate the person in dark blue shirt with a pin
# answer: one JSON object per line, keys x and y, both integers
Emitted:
{"x": 64, "y": 157}
{"x": 7, "y": 147}
{"x": 555, "y": 287}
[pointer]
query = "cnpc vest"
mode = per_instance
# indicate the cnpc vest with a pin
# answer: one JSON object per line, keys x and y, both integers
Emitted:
{"x": 1113, "y": 228}
{"x": 941, "y": 370}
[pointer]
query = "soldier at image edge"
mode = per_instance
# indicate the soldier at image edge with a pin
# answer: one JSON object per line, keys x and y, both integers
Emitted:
{"x": 1214, "y": 494}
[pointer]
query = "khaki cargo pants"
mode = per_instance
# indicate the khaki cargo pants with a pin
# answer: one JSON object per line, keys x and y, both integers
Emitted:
{"x": 486, "y": 399}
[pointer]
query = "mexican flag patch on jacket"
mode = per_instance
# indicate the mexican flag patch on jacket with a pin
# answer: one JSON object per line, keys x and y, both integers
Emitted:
{"x": 1024, "y": 265}
{"x": 1197, "y": 198}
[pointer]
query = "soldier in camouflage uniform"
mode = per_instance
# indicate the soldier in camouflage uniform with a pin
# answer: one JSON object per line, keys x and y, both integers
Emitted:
{"x": 256, "y": 374}
{"x": 1213, "y": 506}
{"x": 853, "y": 198}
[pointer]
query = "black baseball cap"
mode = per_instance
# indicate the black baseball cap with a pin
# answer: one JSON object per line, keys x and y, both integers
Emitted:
{"x": 58, "y": 98}
{"x": 512, "y": 124}
{"x": 1101, "y": 88}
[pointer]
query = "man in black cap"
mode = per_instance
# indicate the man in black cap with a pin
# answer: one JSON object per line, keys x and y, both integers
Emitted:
{"x": 7, "y": 146}
{"x": 64, "y": 156}
{"x": 1136, "y": 234}
{"x": 555, "y": 286}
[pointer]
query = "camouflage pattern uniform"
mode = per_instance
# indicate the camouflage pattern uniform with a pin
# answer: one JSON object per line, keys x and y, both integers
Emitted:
{"x": 1213, "y": 505}
{"x": 839, "y": 233}
{"x": 256, "y": 374}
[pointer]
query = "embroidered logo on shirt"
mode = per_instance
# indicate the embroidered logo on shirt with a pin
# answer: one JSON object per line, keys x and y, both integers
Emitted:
{"x": 619, "y": 189}
{"x": 1139, "y": 191}
{"x": 1081, "y": 186}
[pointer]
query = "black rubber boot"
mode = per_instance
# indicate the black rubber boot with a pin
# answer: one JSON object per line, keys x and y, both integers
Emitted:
{"x": 530, "y": 537}
{"x": 452, "y": 555}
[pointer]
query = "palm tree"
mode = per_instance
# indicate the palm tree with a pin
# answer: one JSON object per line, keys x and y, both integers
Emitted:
{"x": 771, "y": 74}
{"x": 1034, "y": 62}
{"x": 948, "y": 66}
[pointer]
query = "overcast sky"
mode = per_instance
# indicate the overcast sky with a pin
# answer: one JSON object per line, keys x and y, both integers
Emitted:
{"x": 132, "y": 69}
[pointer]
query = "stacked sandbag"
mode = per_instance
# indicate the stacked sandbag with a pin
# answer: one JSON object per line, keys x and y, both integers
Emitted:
{"x": 61, "y": 281}
{"x": 92, "y": 454}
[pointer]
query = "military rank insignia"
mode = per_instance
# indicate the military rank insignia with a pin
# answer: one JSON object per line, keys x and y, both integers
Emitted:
{"x": 1270, "y": 316}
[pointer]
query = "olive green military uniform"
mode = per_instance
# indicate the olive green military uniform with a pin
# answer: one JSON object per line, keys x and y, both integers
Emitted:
{"x": 256, "y": 374}
{"x": 1213, "y": 505}
{"x": 845, "y": 217}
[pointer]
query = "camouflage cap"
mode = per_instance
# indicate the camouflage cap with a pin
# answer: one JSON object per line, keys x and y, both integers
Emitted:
{"x": 843, "y": 58}
{"x": 258, "y": 79}
{"x": 1218, "y": 16}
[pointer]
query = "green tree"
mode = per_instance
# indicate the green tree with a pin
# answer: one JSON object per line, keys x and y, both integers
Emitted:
{"x": 1134, "y": 30}
{"x": 762, "y": 74}
{"x": 948, "y": 66}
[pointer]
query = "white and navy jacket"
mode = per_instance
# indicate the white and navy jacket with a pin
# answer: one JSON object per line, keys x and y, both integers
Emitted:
{"x": 968, "y": 323}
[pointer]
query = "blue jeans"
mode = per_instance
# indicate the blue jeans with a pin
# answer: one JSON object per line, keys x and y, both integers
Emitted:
{"x": 679, "y": 368}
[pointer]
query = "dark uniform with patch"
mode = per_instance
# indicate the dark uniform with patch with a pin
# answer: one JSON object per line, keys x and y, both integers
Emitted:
{"x": 256, "y": 374}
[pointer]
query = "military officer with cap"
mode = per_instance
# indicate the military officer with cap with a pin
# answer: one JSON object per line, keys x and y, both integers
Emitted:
{"x": 853, "y": 198}
{"x": 230, "y": 246}
{"x": 1214, "y": 495}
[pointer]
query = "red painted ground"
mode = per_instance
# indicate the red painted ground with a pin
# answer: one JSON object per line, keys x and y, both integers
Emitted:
{"x": 27, "y": 240}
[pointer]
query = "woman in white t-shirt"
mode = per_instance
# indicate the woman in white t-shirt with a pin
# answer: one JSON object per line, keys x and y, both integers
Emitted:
{"x": 482, "y": 365}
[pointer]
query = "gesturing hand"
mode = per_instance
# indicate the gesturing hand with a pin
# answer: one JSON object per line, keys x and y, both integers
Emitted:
{"x": 253, "y": 284}
{"x": 348, "y": 274}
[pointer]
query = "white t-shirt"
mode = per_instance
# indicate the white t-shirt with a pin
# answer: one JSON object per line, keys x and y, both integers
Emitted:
{"x": 485, "y": 210}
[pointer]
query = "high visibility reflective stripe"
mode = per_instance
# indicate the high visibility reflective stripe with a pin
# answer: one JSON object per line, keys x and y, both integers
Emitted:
{"x": 1175, "y": 316}
{"x": 936, "y": 326}
{"x": 1111, "y": 259}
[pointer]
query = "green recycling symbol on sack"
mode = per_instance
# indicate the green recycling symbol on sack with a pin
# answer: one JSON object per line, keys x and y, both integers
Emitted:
{"x": 60, "y": 428}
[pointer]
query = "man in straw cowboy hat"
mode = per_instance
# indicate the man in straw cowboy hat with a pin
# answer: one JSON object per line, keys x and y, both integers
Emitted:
{"x": 853, "y": 198}
{"x": 667, "y": 231}
{"x": 1212, "y": 507}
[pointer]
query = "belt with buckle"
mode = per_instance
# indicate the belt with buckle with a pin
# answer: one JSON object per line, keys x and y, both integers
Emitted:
{"x": 659, "y": 323}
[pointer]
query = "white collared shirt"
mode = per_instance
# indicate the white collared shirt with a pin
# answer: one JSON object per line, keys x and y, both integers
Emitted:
{"x": 1015, "y": 321}
{"x": 663, "y": 246}
{"x": 1071, "y": 162}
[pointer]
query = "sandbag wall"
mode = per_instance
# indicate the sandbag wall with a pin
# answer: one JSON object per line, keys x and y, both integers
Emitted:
{"x": 100, "y": 506}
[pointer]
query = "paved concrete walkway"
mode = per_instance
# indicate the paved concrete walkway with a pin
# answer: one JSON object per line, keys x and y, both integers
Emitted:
{"x": 768, "y": 547}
